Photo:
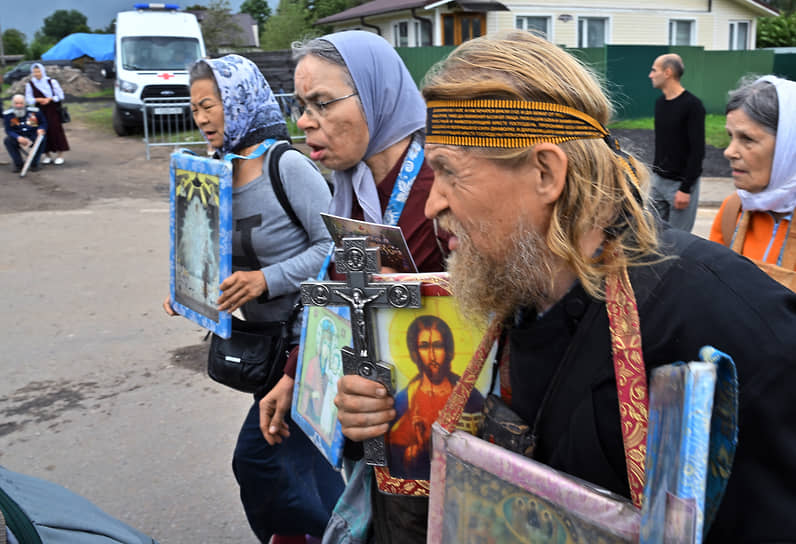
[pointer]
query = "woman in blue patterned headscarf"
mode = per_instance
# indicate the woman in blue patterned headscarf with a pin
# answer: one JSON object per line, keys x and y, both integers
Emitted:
{"x": 251, "y": 113}
{"x": 286, "y": 488}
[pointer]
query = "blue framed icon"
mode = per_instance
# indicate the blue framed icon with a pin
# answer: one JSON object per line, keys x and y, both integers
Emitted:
{"x": 201, "y": 237}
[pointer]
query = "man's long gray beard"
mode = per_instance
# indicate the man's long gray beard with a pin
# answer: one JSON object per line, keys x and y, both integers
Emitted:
{"x": 485, "y": 287}
{"x": 20, "y": 112}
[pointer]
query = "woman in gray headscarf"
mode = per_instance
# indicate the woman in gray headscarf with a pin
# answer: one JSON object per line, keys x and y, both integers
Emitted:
{"x": 364, "y": 118}
{"x": 47, "y": 94}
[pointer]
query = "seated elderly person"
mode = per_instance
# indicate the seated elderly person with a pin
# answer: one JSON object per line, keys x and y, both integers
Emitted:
{"x": 23, "y": 123}
{"x": 551, "y": 234}
{"x": 756, "y": 220}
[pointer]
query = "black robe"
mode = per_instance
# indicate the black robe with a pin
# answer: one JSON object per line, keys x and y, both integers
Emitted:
{"x": 706, "y": 295}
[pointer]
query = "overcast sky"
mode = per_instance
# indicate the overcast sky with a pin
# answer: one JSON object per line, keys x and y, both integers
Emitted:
{"x": 29, "y": 17}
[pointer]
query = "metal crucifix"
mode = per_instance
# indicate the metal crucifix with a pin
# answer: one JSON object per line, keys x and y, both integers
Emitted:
{"x": 358, "y": 262}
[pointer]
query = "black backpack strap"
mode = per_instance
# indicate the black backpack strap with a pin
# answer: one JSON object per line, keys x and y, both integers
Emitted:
{"x": 277, "y": 151}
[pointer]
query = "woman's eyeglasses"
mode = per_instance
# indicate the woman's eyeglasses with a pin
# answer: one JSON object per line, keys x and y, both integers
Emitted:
{"x": 318, "y": 109}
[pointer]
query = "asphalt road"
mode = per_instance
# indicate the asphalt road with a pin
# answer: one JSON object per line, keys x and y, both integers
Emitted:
{"x": 101, "y": 391}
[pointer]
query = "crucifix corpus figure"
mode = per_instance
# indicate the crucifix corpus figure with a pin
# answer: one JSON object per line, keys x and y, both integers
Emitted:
{"x": 358, "y": 262}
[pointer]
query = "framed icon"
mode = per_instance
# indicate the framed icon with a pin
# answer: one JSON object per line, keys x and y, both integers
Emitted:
{"x": 201, "y": 237}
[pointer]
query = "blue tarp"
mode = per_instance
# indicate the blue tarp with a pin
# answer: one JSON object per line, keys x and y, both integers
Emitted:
{"x": 97, "y": 46}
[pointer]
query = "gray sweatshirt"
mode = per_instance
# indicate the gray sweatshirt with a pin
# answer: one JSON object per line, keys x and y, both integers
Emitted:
{"x": 288, "y": 254}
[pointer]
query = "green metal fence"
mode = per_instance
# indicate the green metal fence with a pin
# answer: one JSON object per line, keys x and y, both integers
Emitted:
{"x": 623, "y": 69}
{"x": 785, "y": 65}
{"x": 419, "y": 59}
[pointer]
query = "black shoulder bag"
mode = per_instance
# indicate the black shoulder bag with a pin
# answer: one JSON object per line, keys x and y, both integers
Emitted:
{"x": 253, "y": 359}
{"x": 63, "y": 113}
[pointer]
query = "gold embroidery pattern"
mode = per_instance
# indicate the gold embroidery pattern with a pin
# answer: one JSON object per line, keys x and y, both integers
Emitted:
{"x": 449, "y": 415}
{"x": 631, "y": 378}
{"x": 399, "y": 486}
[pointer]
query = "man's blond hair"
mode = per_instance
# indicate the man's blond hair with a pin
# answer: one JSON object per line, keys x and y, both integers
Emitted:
{"x": 598, "y": 191}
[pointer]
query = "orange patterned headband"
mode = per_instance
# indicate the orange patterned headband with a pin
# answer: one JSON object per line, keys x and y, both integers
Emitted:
{"x": 511, "y": 124}
{"x": 506, "y": 123}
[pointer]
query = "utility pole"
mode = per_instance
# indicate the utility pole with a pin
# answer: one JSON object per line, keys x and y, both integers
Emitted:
{"x": 2, "y": 51}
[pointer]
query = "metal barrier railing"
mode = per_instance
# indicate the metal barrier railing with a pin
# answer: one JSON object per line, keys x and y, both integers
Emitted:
{"x": 287, "y": 102}
{"x": 168, "y": 122}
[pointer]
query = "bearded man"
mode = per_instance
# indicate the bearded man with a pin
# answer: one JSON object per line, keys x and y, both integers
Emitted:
{"x": 22, "y": 124}
{"x": 551, "y": 231}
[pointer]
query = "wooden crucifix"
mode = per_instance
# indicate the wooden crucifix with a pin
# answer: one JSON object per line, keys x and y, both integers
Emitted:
{"x": 358, "y": 262}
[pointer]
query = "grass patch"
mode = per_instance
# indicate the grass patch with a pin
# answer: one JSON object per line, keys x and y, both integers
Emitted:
{"x": 645, "y": 123}
{"x": 103, "y": 93}
{"x": 715, "y": 133}
{"x": 94, "y": 115}
{"x": 296, "y": 134}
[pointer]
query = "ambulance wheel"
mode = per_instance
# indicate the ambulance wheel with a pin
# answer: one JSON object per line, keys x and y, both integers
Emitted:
{"x": 118, "y": 126}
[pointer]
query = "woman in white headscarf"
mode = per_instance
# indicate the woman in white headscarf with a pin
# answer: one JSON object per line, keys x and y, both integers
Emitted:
{"x": 47, "y": 94}
{"x": 756, "y": 220}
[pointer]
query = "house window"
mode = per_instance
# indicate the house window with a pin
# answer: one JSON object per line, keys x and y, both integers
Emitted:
{"x": 400, "y": 34}
{"x": 538, "y": 25}
{"x": 592, "y": 31}
{"x": 460, "y": 27}
{"x": 739, "y": 35}
{"x": 422, "y": 33}
{"x": 681, "y": 32}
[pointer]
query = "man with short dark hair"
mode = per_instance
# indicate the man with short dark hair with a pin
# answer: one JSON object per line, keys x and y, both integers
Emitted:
{"x": 679, "y": 145}
{"x": 22, "y": 124}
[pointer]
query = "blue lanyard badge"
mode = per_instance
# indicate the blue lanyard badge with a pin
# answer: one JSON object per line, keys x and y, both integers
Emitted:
{"x": 403, "y": 185}
{"x": 262, "y": 148}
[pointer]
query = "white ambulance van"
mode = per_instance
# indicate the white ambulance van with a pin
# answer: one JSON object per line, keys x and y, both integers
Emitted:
{"x": 155, "y": 45}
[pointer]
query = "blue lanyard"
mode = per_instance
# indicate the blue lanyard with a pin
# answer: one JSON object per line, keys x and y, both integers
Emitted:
{"x": 403, "y": 184}
{"x": 262, "y": 148}
{"x": 784, "y": 240}
{"x": 789, "y": 218}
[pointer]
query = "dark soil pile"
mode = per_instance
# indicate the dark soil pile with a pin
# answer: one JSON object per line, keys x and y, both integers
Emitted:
{"x": 641, "y": 143}
{"x": 73, "y": 81}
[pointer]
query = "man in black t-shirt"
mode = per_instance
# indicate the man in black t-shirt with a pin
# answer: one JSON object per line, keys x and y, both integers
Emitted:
{"x": 679, "y": 145}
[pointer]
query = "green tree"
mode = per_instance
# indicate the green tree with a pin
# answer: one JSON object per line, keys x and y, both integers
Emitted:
{"x": 218, "y": 26}
{"x": 784, "y": 6}
{"x": 258, "y": 9}
{"x": 63, "y": 23}
{"x": 110, "y": 29}
{"x": 14, "y": 42}
{"x": 292, "y": 22}
{"x": 39, "y": 45}
{"x": 323, "y": 8}
{"x": 777, "y": 31}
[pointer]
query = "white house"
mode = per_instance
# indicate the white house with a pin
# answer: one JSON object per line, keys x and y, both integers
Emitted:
{"x": 712, "y": 24}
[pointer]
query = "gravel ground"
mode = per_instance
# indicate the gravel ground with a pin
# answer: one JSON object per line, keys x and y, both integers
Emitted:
{"x": 641, "y": 143}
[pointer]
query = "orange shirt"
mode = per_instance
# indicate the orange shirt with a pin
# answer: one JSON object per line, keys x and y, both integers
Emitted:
{"x": 758, "y": 237}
